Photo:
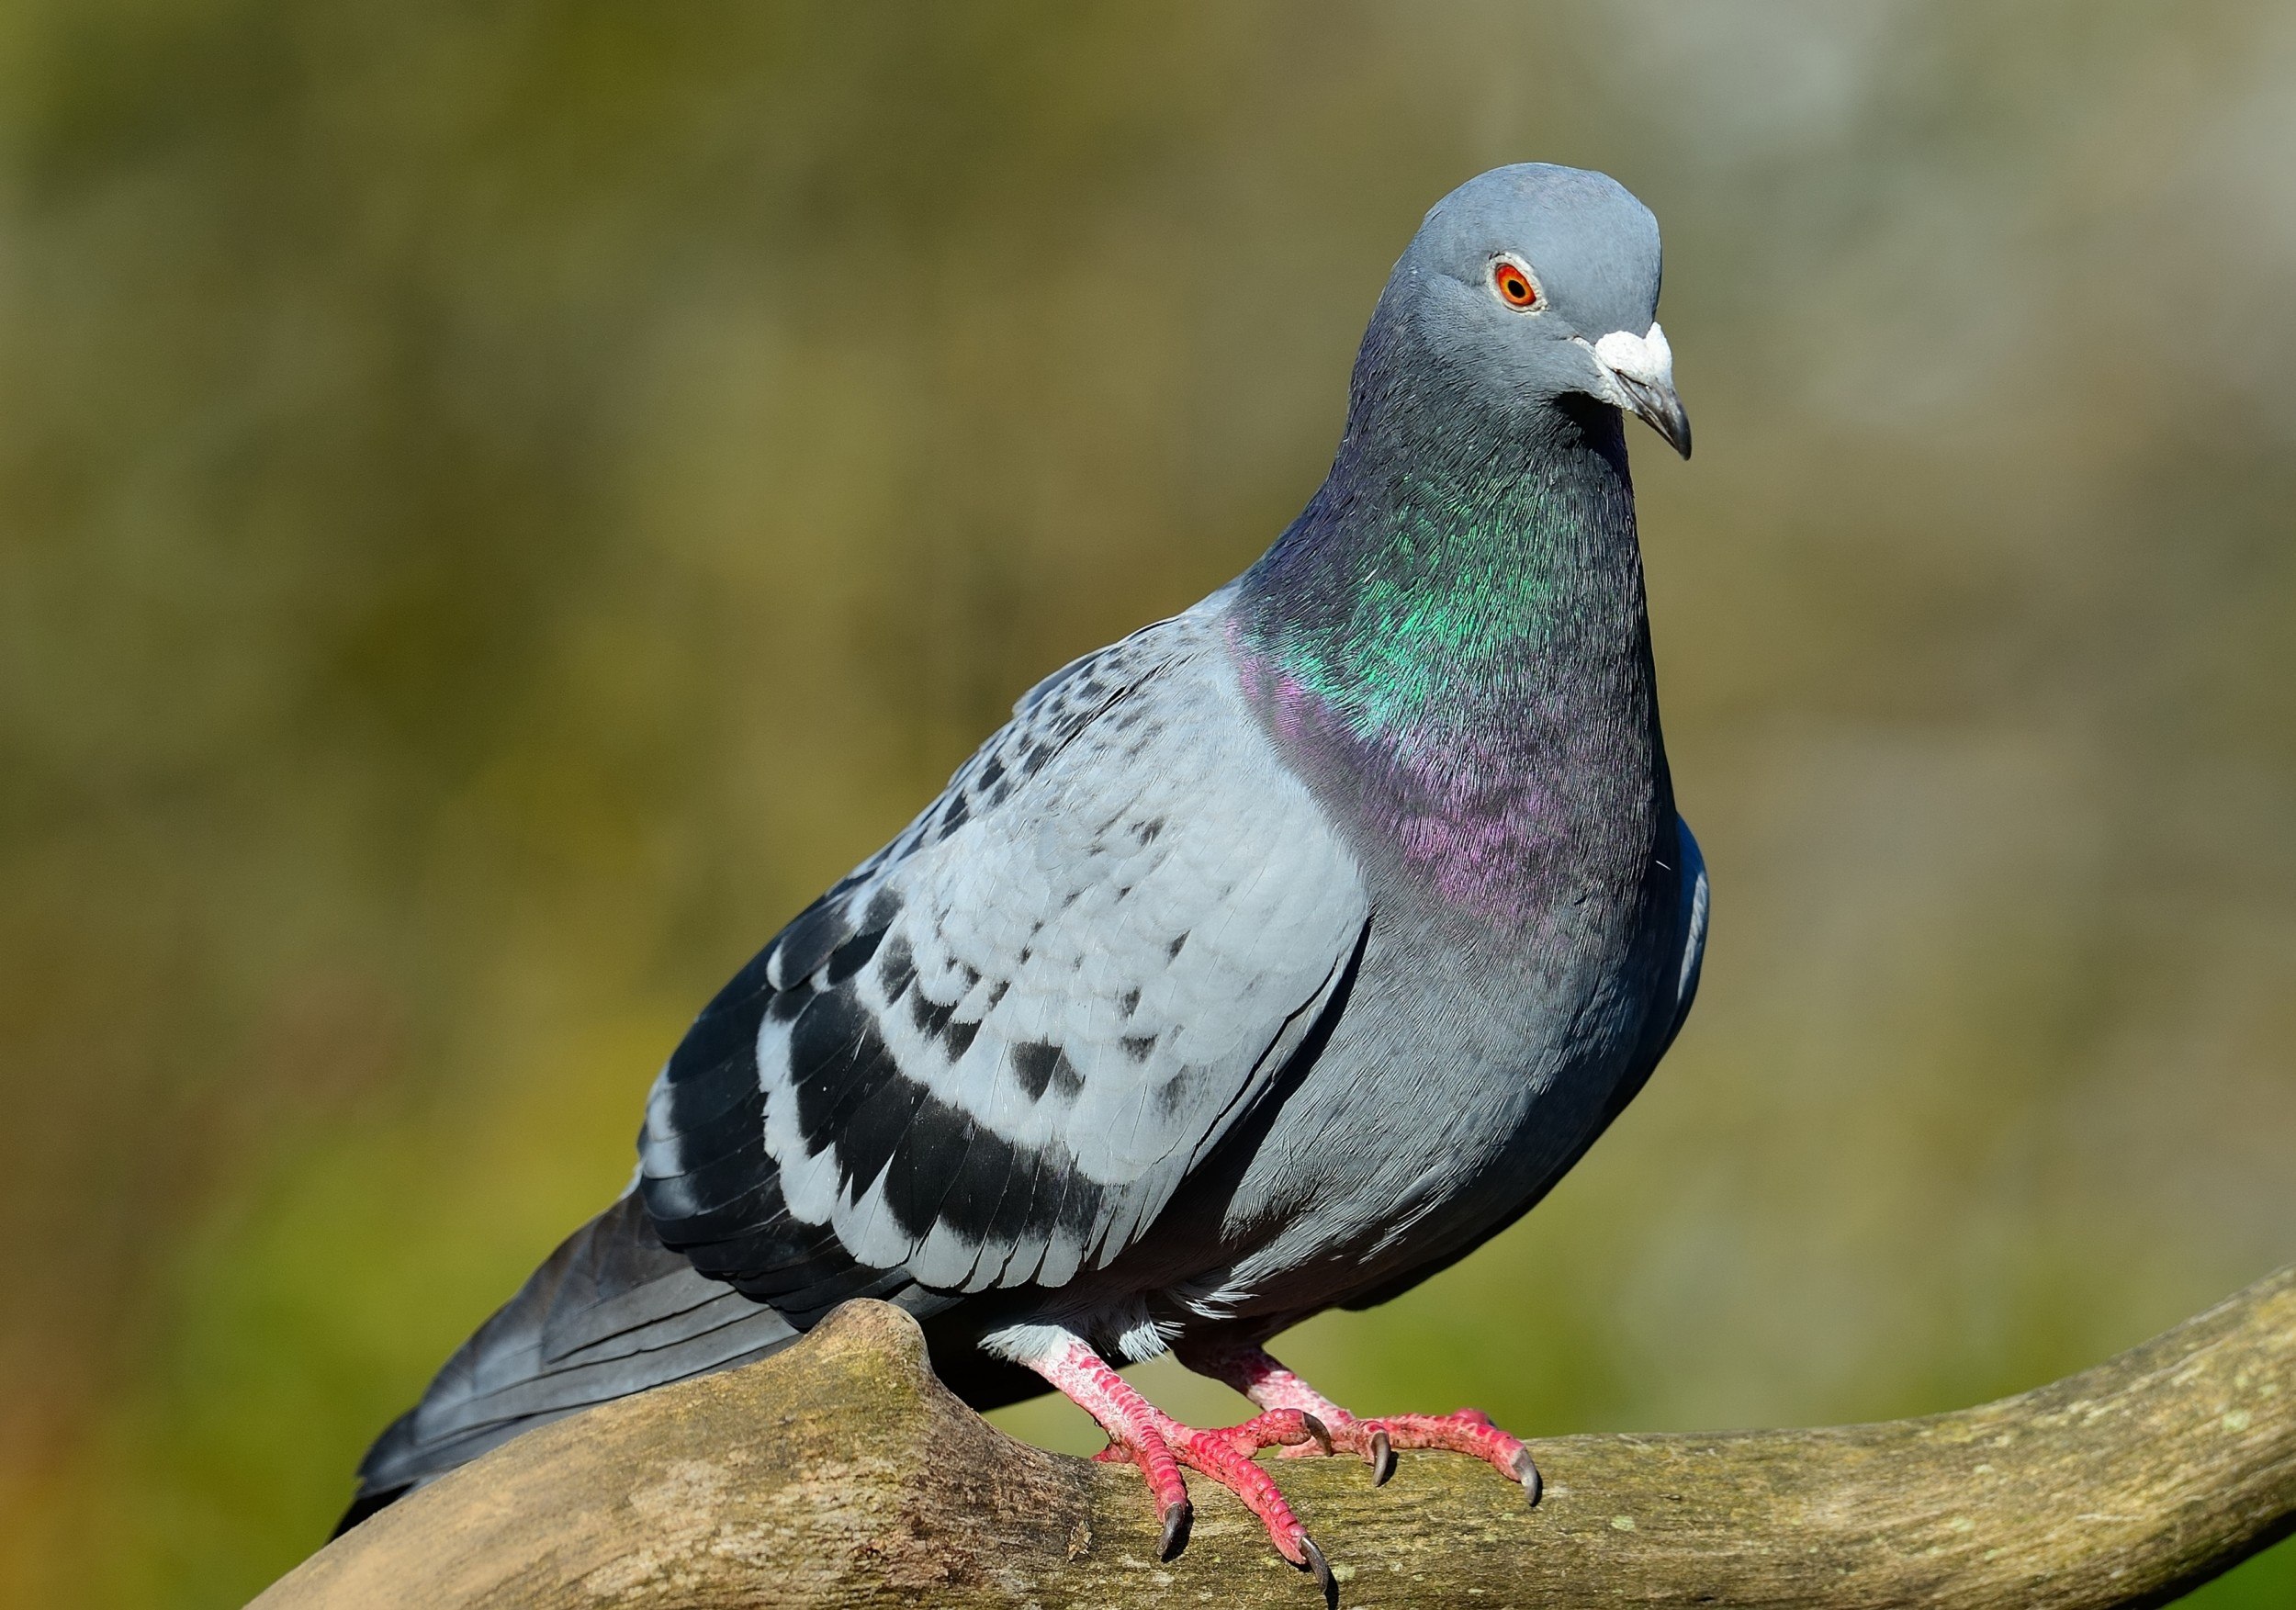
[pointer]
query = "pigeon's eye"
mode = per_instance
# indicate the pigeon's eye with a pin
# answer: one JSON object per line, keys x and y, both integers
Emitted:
{"x": 1513, "y": 286}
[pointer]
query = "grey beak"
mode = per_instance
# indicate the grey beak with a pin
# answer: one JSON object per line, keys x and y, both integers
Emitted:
{"x": 1659, "y": 409}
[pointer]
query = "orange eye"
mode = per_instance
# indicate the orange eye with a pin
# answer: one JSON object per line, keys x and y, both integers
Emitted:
{"x": 1513, "y": 286}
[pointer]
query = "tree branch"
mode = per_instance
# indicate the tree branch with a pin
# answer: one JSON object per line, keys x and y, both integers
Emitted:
{"x": 841, "y": 1473}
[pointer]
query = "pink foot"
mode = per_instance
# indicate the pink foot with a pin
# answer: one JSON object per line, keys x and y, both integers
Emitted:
{"x": 1469, "y": 1431}
{"x": 1277, "y": 1390}
{"x": 1144, "y": 1434}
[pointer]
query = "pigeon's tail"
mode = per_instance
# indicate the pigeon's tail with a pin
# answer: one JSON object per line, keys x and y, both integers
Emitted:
{"x": 612, "y": 1312}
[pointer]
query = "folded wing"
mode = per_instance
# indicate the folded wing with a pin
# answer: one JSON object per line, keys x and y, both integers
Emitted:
{"x": 988, "y": 1057}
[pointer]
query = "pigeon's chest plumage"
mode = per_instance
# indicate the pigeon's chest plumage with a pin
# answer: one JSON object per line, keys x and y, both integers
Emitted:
{"x": 1515, "y": 829}
{"x": 1523, "y": 816}
{"x": 1524, "y": 941}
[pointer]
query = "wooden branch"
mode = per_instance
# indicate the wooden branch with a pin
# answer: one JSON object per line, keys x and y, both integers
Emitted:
{"x": 842, "y": 1473}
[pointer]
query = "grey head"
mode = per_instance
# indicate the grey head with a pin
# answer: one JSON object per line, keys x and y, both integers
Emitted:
{"x": 1531, "y": 283}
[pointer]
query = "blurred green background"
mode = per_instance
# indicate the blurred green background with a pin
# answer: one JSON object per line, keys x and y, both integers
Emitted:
{"x": 500, "y": 504}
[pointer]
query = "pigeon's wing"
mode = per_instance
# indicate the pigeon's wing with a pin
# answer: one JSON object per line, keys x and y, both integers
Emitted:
{"x": 988, "y": 1057}
{"x": 1692, "y": 917}
{"x": 1682, "y": 964}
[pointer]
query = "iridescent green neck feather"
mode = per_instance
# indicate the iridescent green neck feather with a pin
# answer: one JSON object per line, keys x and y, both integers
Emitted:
{"x": 1451, "y": 641}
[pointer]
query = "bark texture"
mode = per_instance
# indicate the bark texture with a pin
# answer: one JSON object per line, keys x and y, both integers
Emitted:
{"x": 841, "y": 1473}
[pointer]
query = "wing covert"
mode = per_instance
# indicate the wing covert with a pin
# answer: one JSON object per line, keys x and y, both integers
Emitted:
{"x": 990, "y": 1056}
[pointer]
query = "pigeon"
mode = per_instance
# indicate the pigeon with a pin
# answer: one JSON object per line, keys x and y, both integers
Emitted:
{"x": 1269, "y": 960}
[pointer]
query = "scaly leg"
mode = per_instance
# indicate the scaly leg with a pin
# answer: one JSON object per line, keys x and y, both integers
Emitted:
{"x": 1159, "y": 1445}
{"x": 1275, "y": 1389}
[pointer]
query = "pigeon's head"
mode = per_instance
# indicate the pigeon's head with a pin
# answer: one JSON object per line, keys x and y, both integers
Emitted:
{"x": 1533, "y": 283}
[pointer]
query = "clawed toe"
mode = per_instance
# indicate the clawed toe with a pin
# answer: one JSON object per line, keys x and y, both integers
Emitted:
{"x": 1293, "y": 1431}
{"x": 1225, "y": 1455}
{"x": 1324, "y": 1577}
{"x": 1527, "y": 1473}
{"x": 1178, "y": 1518}
{"x": 1468, "y": 1431}
{"x": 1316, "y": 1431}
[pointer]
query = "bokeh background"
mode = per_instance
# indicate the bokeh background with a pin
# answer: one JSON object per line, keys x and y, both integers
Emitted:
{"x": 499, "y": 504}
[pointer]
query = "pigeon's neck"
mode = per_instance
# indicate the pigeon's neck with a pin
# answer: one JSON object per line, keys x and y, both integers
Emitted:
{"x": 1451, "y": 642}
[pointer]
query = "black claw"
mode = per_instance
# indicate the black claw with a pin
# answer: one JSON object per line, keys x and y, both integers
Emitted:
{"x": 1176, "y": 1522}
{"x": 1316, "y": 1430}
{"x": 1324, "y": 1577}
{"x": 1527, "y": 1473}
{"x": 1382, "y": 1457}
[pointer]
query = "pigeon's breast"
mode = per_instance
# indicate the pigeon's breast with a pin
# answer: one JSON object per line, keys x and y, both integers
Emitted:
{"x": 1523, "y": 954}
{"x": 1526, "y": 806}
{"x": 1458, "y": 1085}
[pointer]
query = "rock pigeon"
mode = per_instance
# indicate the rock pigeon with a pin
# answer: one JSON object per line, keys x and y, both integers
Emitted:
{"x": 1268, "y": 960}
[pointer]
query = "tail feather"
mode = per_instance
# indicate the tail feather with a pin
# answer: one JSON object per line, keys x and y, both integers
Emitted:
{"x": 611, "y": 1311}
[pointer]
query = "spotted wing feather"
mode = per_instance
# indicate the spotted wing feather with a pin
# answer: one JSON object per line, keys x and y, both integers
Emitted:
{"x": 988, "y": 1057}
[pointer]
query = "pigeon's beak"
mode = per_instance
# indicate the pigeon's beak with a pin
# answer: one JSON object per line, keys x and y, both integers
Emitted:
{"x": 1640, "y": 371}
